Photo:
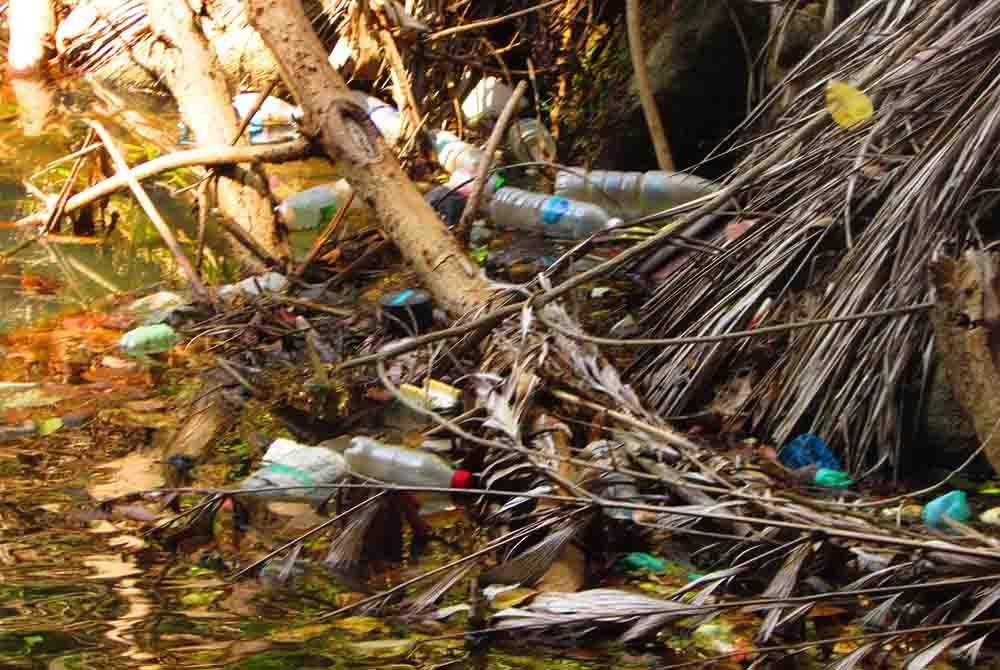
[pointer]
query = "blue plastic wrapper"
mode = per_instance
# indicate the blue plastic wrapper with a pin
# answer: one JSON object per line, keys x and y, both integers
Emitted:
{"x": 952, "y": 504}
{"x": 808, "y": 449}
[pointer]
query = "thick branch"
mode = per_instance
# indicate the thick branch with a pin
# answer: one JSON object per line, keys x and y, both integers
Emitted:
{"x": 348, "y": 136}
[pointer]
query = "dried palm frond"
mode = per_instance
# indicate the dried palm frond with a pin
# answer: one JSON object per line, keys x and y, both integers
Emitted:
{"x": 852, "y": 217}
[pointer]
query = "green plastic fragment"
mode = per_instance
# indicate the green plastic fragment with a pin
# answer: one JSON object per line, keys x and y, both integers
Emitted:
{"x": 480, "y": 255}
{"x": 832, "y": 478}
{"x": 153, "y": 339}
{"x": 638, "y": 560}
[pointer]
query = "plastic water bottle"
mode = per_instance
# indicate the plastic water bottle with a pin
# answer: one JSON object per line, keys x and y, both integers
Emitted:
{"x": 404, "y": 466}
{"x": 486, "y": 101}
{"x": 386, "y": 118}
{"x": 315, "y": 206}
{"x": 310, "y": 470}
{"x": 455, "y": 155}
{"x": 632, "y": 194}
{"x": 551, "y": 215}
{"x": 273, "y": 111}
{"x": 529, "y": 140}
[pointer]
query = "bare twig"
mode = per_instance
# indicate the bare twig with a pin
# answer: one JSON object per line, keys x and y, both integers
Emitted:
{"x": 652, "y": 113}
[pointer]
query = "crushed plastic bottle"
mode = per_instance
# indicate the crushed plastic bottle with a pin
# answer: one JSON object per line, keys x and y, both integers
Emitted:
{"x": 486, "y": 101}
{"x": 145, "y": 340}
{"x": 529, "y": 140}
{"x": 953, "y": 504}
{"x": 386, "y": 118}
{"x": 550, "y": 215}
{"x": 610, "y": 485}
{"x": 314, "y": 207}
{"x": 454, "y": 154}
{"x": 631, "y": 195}
{"x": 273, "y": 111}
{"x": 404, "y": 466}
{"x": 289, "y": 464}
{"x": 808, "y": 449}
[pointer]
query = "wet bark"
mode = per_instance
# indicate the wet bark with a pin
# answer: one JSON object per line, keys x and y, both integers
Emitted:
{"x": 346, "y": 135}
{"x": 181, "y": 54}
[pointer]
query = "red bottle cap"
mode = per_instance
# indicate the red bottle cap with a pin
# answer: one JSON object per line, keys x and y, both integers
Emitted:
{"x": 462, "y": 479}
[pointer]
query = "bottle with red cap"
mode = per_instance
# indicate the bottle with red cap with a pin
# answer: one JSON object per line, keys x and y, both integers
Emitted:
{"x": 403, "y": 466}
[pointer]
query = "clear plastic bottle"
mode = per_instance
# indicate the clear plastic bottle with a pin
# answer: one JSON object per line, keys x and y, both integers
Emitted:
{"x": 308, "y": 470}
{"x": 486, "y": 101}
{"x": 611, "y": 485}
{"x": 529, "y": 140}
{"x": 454, "y": 154}
{"x": 315, "y": 206}
{"x": 273, "y": 112}
{"x": 386, "y": 118}
{"x": 632, "y": 194}
{"x": 404, "y": 466}
{"x": 551, "y": 215}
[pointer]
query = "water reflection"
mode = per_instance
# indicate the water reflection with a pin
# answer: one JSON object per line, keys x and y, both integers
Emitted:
{"x": 36, "y": 99}
{"x": 124, "y": 629}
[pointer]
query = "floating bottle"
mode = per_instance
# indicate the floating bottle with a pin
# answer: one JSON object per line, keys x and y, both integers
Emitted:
{"x": 386, "y": 118}
{"x": 551, "y": 215}
{"x": 304, "y": 472}
{"x": 611, "y": 485}
{"x": 529, "y": 140}
{"x": 315, "y": 206}
{"x": 630, "y": 195}
{"x": 404, "y": 466}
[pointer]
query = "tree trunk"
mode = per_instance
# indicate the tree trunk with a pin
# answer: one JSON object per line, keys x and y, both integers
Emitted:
{"x": 347, "y": 135}
{"x": 193, "y": 74}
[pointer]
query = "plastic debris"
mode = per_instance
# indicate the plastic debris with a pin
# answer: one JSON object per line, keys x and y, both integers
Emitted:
{"x": 455, "y": 154}
{"x": 273, "y": 111}
{"x": 434, "y": 395}
{"x": 289, "y": 464}
{"x": 550, "y": 215}
{"x": 808, "y": 449}
{"x": 408, "y": 311}
{"x": 314, "y": 207}
{"x": 486, "y": 101}
{"x": 847, "y": 105}
{"x": 386, "y": 118}
{"x": 832, "y": 478}
{"x": 528, "y": 140}
{"x": 146, "y": 340}
{"x": 404, "y": 466}
{"x": 251, "y": 287}
{"x": 639, "y": 560}
{"x": 156, "y": 308}
{"x": 991, "y": 516}
{"x": 631, "y": 194}
{"x": 953, "y": 505}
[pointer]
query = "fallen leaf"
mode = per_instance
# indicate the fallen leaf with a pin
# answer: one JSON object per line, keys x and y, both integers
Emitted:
{"x": 49, "y": 426}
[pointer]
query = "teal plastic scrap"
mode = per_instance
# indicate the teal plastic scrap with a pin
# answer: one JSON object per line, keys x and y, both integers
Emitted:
{"x": 953, "y": 504}
{"x": 638, "y": 560}
{"x": 837, "y": 479}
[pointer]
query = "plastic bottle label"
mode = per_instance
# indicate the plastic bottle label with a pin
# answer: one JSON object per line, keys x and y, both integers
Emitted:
{"x": 281, "y": 469}
{"x": 326, "y": 214}
{"x": 554, "y": 209}
{"x": 402, "y": 297}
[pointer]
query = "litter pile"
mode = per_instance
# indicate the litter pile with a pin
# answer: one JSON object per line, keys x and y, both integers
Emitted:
{"x": 362, "y": 401}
